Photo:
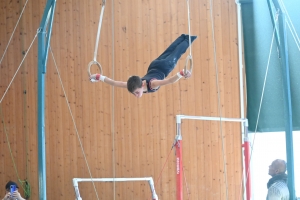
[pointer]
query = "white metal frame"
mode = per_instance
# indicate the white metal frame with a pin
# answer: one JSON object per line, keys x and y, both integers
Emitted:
{"x": 149, "y": 179}
{"x": 178, "y": 139}
{"x": 180, "y": 117}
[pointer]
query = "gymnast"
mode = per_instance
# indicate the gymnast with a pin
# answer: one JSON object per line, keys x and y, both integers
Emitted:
{"x": 157, "y": 71}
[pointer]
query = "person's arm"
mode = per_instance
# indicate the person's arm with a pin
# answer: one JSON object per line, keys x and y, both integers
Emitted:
{"x": 97, "y": 77}
{"x": 157, "y": 83}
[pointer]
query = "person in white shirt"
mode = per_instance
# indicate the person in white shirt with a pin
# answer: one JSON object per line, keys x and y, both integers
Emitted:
{"x": 277, "y": 185}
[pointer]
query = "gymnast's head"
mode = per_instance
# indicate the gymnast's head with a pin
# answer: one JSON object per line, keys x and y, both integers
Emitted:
{"x": 135, "y": 86}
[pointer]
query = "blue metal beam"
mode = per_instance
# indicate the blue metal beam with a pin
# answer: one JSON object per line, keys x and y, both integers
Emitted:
{"x": 287, "y": 105}
{"x": 273, "y": 14}
{"x": 284, "y": 61}
{"x": 44, "y": 36}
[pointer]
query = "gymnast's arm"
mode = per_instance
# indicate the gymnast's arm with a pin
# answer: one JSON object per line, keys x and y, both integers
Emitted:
{"x": 115, "y": 83}
{"x": 157, "y": 83}
{"x": 97, "y": 77}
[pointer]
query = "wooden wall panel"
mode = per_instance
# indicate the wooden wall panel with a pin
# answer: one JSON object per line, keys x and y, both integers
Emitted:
{"x": 122, "y": 136}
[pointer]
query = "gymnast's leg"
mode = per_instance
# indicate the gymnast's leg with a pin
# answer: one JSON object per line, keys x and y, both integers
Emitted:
{"x": 171, "y": 47}
{"x": 180, "y": 49}
{"x": 175, "y": 55}
{"x": 169, "y": 60}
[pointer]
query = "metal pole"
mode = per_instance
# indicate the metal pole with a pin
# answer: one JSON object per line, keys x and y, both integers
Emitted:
{"x": 207, "y": 118}
{"x": 247, "y": 155}
{"x": 246, "y": 145}
{"x": 41, "y": 118}
{"x": 179, "y": 169}
{"x": 273, "y": 16}
{"x": 43, "y": 46}
{"x": 241, "y": 66}
{"x": 287, "y": 104}
{"x": 284, "y": 62}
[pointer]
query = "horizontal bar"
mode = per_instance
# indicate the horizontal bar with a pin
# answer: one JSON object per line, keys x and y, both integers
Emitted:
{"x": 111, "y": 179}
{"x": 149, "y": 179}
{"x": 180, "y": 117}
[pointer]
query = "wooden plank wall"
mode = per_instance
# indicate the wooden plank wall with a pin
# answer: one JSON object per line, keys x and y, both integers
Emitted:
{"x": 120, "y": 135}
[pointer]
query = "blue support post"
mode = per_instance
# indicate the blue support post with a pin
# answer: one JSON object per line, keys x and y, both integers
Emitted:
{"x": 287, "y": 105}
{"x": 273, "y": 17}
{"x": 284, "y": 62}
{"x": 281, "y": 39}
{"x": 44, "y": 36}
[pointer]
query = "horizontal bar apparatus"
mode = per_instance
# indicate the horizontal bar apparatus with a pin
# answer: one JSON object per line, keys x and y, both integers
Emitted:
{"x": 149, "y": 179}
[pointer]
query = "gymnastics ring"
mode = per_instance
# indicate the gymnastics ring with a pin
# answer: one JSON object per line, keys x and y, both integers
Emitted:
{"x": 189, "y": 58}
{"x": 94, "y": 62}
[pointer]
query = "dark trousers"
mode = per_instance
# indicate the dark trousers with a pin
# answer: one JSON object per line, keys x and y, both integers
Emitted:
{"x": 168, "y": 59}
{"x": 177, "y": 48}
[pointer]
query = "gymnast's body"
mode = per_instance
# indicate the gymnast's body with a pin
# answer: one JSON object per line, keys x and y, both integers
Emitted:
{"x": 157, "y": 71}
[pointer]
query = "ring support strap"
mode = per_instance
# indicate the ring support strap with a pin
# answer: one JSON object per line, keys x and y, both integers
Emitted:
{"x": 99, "y": 30}
{"x": 94, "y": 61}
{"x": 189, "y": 57}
